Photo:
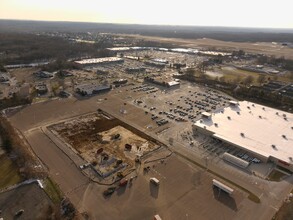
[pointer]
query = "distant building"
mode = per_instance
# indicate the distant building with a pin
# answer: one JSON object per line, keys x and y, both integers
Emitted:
{"x": 65, "y": 73}
{"x": 41, "y": 88}
{"x": 164, "y": 61}
{"x": 136, "y": 70}
{"x": 120, "y": 82}
{"x": 44, "y": 74}
{"x": 166, "y": 82}
{"x": 98, "y": 61}
{"x": 90, "y": 89}
{"x": 155, "y": 64}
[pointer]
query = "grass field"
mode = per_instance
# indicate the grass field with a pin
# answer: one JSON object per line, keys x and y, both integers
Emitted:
{"x": 232, "y": 74}
{"x": 52, "y": 190}
{"x": 276, "y": 176}
{"x": 9, "y": 174}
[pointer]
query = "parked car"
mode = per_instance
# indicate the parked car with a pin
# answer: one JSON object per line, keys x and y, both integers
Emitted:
{"x": 109, "y": 191}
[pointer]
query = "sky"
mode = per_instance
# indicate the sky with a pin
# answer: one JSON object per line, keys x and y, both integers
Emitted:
{"x": 234, "y": 13}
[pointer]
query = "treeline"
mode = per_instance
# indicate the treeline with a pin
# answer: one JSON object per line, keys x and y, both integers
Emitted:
{"x": 240, "y": 89}
{"x": 280, "y": 61}
{"x": 13, "y": 144}
{"x": 14, "y": 101}
{"x": 28, "y": 48}
{"x": 190, "y": 32}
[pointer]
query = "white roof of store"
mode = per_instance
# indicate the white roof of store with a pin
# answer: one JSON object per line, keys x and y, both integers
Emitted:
{"x": 260, "y": 129}
{"x": 98, "y": 60}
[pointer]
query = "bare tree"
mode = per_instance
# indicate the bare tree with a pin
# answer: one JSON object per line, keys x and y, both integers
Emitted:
{"x": 247, "y": 80}
{"x": 261, "y": 79}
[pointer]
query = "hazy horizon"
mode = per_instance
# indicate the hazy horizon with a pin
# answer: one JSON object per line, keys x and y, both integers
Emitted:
{"x": 226, "y": 13}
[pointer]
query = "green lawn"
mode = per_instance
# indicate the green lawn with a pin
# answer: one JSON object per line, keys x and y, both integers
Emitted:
{"x": 232, "y": 74}
{"x": 9, "y": 174}
{"x": 52, "y": 190}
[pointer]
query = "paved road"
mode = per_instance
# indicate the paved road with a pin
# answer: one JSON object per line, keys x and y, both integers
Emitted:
{"x": 61, "y": 168}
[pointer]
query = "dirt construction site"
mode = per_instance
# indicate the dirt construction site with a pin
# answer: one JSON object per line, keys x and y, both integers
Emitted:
{"x": 104, "y": 142}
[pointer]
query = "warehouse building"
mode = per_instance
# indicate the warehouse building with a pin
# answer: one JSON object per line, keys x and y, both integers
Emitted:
{"x": 163, "y": 81}
{"x": 90, "y": 89}
{"x": 261, "y": 131}
{"x": 99, "y": 61}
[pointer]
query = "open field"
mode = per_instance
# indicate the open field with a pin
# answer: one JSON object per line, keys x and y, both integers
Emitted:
{"x": 261, "y": 47}
{"x": 237, "y": 75}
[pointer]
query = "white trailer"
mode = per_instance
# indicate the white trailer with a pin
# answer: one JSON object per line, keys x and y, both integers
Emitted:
{"x": 235, "y": 160}
{"x": 222, "y": 186}
{"x": 155, "y": 181}
{"x": 157, "y": 217}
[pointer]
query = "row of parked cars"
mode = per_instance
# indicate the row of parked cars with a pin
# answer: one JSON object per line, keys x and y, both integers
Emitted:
{"x": 247, "y": 158}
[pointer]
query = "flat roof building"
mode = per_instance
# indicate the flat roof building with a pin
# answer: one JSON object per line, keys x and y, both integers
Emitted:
{"x": 163, "y": 81}
{"x": 90, "y": 89}
{"x": 260, "y": 130}
{"x": 96, "y": 61}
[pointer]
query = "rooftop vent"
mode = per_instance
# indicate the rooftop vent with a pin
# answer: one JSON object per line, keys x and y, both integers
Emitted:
{"x": 259, "y": 116}
{"x": 290, "y": 158}
{"x": 242, "y": 134}
{"x": 229, "y": 117}
{"x": 253, "y": 105}
{"x": 277, "y": 113}
{"x": 284, "y": 115}
{"x": 263, "y": 108}
{"x": 216, "y": 124}
{"x": 284, "y": 136}
{"x": 238, "y": 113}
{"x": 273, "y": 146}
{"x": 248, "y": 107}
{"x": 285, "y": 119}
